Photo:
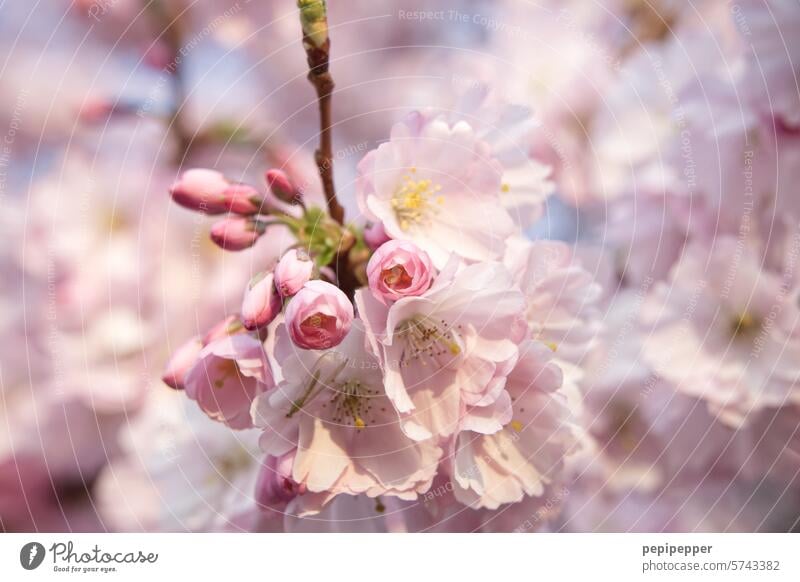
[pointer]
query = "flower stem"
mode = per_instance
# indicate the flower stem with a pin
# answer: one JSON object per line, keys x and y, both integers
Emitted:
{"x": 172, "y": 21}
{"x": 314, "y": 18}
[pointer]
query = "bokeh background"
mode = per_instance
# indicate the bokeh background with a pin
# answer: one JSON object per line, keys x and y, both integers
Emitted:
{"x": 670, "y": 126}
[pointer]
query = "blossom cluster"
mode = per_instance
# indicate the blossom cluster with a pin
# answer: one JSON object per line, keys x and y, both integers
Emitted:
{"x": 540, "y": 271}
{"x": 440, "y": 364}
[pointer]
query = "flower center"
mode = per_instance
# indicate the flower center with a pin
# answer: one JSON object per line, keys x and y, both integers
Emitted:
{"x": 624, "y": 426}
{"x": 114, "y": 222}
{"x": 345, "y": 402}
{"x": 351, "y": 404}
{"x": 413, "y": 201}
{"x": 396, "y": 277}
{"x": 318, "y": 326}
{"x": 227, "y": 369}
{"x": 743, "y": 325}
{"x": 429, "y": 340}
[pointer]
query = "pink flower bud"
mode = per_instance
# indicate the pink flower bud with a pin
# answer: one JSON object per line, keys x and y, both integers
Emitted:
{"x": 282, "y": 187}
{"x": 228, "y": 326}
{"x": 261, "y": 303}
{"x": 375, "y": 235}
{"x": 229, "y": 374}
{"x": 399, "y": 269}
{"x": 181, "y": 361}
{"x": 293, "y": 271}
{"x": 235, "y": 233}
{"x": 201, "y": 190}
{"x": 275, "y": 486}
{"x": 243, "y": 199}
{"x": 318, "y": 316}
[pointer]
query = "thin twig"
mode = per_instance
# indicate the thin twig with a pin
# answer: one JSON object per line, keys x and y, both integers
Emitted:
{"x": 313, "y": 17}
{"x": 172, "y": 35}
{"x": 324, "y": 154}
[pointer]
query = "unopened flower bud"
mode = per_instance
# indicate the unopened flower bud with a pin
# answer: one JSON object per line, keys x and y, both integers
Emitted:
{"x": 261, "y": 303}
{"x": 243, "y": 199}
{"x": 181, "y": 361}
{"x": 282, "y": 187}
{"x": 319, "y": 316}
{"x": 228, "y": 326}
{"x": 229, "y": 375}
{"x": 293, "y": 271}
{"x": 201, "y": 190}
{"x": 375, "y": 235}
{"x": 314, "y": 20}
{"x": 236, "y": 233}
{"x": 275, "y": 485}
{"x": 399, "y": 269}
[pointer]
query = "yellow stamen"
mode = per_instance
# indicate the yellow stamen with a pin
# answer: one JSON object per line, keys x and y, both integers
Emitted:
{"x": 412, "y": 200}
{"x": 516, "y": 425}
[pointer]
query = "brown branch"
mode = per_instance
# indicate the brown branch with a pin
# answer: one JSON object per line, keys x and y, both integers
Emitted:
{"x": 178, "y": 124}
{"x": 313, "y": 17}
{"x": 172, "y": 19}
{"x": 346, "y": 277}
{"x": 324, "y": 155}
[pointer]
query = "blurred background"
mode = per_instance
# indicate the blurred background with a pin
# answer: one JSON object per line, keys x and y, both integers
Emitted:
{"x": 666, "y": 123}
